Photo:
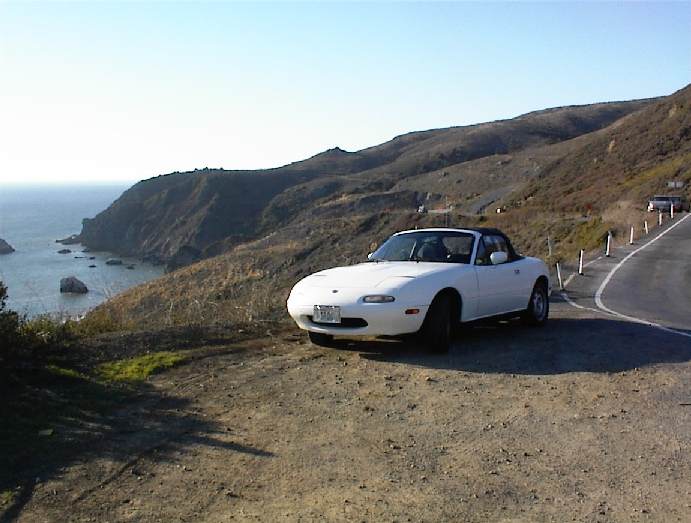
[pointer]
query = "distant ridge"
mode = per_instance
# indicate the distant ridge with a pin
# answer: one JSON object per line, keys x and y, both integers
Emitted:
{"x": 182, "y": 217}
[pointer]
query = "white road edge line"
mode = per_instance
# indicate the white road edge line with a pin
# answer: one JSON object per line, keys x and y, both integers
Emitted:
{"x": 601, "y": 289}
{"x": 578, "y": 306}
{"x": 573, "y": 275}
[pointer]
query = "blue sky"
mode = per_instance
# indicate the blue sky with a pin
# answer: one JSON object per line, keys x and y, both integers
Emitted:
{"x": 97, "y": 92}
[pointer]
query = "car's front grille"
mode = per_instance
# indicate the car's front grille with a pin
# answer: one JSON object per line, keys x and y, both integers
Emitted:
{"x": 346, "y": 323}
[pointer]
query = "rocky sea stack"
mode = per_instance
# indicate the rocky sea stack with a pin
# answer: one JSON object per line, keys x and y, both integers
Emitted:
{"x": 5, "y": 248}
{"x": 73, "y": 285}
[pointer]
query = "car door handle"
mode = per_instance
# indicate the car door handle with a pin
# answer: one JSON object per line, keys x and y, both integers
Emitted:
{"x": 517, "y": 271}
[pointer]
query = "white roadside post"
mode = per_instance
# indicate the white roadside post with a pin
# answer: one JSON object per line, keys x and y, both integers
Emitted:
{"x": 561, "y": 285}
{"x": 549, "y": 246}
{"x": 671, "y": 211}
{"x": 659, "y": 217}
{"x": 580, "y": 263}
{"x": 631, "y": 237}
{"x": 645, "y": 226}
{"x": 609, "y": 241}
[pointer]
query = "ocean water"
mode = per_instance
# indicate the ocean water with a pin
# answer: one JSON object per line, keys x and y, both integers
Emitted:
{"x": 31, "y": 219}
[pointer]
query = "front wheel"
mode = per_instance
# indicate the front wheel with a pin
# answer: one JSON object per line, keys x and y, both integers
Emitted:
{"x": 321, "y": 339}
{"x": 437, "y": 329}
{"x": 538, "y": 307}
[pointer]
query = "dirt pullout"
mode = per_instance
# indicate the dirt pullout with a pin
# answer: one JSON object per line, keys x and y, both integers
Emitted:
{"x": 583, "y": 419}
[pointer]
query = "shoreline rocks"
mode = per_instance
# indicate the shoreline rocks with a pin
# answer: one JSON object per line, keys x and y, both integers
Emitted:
{"x": 64, "y": 251}
{"x": 73, "y": 285}
{"x": 5, "y": 248}
{"x": 153, "y": 259}
{"x": 113, "y": 261}
{"x": 70, "y": 240}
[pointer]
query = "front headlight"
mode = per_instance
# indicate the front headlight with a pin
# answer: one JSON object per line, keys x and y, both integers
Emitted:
{"x": 378, "y": 298}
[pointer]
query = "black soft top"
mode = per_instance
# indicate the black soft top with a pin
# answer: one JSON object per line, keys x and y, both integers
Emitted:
{"x": 486, "y": 230}
{"x": 493, "y": 231}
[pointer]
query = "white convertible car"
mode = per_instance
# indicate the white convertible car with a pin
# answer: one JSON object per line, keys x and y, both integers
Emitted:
{"x": 424, "y": 281}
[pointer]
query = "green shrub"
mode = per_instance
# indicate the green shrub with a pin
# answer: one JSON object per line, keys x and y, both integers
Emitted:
{"x": 9, "y": 328}
{"x": 6, "y": 497}
{"x": 26, "y": 340}
{"x": 22, "y": 339}
{"x": 45, "y": 330}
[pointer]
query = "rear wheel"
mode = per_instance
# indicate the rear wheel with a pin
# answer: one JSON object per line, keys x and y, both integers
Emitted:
{"x": 538, "y": 307}
{"x": 437, "y": 329}
{"x": 321, "y": 339}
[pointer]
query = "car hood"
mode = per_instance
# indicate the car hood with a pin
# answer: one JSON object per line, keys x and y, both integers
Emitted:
{"x": 375, "y": 274}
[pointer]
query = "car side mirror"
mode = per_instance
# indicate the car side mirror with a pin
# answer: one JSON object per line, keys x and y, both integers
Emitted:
{"x": 499, "y": 257}
{"x": 369, "y": 255}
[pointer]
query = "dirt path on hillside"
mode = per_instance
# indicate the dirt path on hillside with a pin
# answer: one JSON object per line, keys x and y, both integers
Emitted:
{"x": 586, "y": 419}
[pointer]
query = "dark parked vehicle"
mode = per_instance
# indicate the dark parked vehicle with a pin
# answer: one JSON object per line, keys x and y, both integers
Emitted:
{"x": 664, "y": 203}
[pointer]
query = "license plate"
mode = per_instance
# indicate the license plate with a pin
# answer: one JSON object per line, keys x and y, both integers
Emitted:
{"x": 326, "y": 314}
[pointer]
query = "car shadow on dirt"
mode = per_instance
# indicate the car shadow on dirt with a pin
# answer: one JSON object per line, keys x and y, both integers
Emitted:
{"x": 562, "y": 346}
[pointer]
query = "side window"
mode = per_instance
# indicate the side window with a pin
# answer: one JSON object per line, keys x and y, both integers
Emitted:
{"x": 459, "y": 248}
{"x": 483, "y": 253}
{"x": 500, "y": 244}
{"x": 488, "y": 245}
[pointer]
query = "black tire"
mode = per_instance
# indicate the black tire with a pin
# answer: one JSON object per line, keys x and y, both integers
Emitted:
{"x": 436, "y": 331}
{"x": 538, "y": 307}
{"x": 321, "y": 339}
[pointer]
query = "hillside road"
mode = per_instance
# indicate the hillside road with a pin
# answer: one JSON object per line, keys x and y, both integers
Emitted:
{"x": 648, "y": 282}
{"x": 655, "y": 283}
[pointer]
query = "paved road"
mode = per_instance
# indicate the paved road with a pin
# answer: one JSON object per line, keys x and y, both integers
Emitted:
{"x": 655, "y": 283}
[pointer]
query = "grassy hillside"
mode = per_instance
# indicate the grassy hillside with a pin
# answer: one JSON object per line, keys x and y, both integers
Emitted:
{"x": 572, "y": 188}
{"x": 629, "y": 161}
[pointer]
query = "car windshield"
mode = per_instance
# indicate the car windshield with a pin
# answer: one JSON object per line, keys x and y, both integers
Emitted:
{"x": 427, "y": 246}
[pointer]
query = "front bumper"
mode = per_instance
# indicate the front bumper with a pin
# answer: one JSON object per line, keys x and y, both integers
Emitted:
{"x": 383, "y": 319}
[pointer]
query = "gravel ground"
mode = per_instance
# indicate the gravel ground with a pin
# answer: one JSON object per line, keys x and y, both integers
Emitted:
{"x": 586, "y": 419}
